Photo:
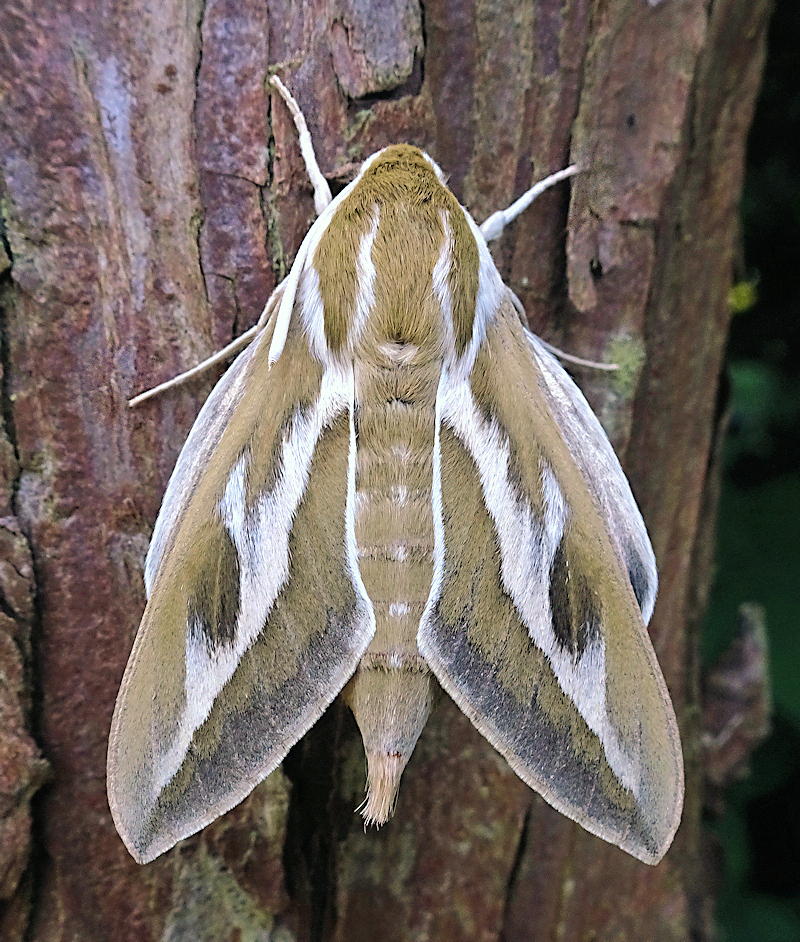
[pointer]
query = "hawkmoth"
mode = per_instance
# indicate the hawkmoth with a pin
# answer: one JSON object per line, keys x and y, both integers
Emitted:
{"x": 396, "y": 486}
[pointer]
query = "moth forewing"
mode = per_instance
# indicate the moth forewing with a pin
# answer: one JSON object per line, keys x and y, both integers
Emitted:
{"x": 256, "y": 618}
{"x": 198, "y": 449}
{"x": 591, "y": 451}
{"x": 532, "y": 625}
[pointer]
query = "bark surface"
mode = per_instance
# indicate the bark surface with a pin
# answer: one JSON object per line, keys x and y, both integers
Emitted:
{"x": 151, "y": 195}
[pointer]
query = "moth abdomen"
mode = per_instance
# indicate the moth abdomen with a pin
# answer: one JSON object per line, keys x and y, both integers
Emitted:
{"x": 391, "y": 691}
{"x": 391, "y": 696}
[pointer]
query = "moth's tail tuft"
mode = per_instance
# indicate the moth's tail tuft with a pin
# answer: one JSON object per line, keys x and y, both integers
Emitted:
{"x": 390, "y": 704}
{"x": 383, "y": 780}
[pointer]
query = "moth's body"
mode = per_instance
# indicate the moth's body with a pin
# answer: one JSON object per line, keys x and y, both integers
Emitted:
{"x": 392, "y": 689}
{"x": 395, "y": 483}
{"x": 397, "y": 339}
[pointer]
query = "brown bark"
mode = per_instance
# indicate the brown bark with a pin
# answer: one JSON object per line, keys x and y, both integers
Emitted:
{"x": 151, "y": 197}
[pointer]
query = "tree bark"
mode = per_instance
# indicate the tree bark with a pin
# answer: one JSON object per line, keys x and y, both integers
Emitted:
{"x": 152, "y": 196}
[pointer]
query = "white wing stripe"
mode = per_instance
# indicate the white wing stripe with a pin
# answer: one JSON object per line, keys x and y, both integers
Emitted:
{"x": 491, "y": 292}
{"x": 261, "y": 536}
{"x": 350, "y": 507}
{"x": 436, "y": 504}
{"x": 312, "y": 313}
{"x": 527, "y": 548}
{"x": 600, "y": 467}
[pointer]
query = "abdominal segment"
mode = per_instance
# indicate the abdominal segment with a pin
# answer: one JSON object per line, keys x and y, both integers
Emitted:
{"x": 391, "y": 692}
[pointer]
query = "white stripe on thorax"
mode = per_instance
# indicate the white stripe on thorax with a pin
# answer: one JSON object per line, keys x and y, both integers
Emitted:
{"x": 441, "y": 288}
{"x": 365, "y": 278}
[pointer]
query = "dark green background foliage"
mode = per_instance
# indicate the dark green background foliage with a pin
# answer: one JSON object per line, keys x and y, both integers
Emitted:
{"x": 758, "y": 556}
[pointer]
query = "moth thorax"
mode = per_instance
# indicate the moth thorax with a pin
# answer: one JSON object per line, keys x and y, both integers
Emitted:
{"x": 390, "y": 708}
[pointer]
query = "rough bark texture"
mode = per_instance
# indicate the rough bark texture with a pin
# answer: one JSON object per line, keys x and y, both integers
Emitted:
{"x": 152, "y": 194}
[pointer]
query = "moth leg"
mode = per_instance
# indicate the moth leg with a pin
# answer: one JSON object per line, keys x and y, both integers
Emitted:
{"x": 494, "y": 225}
{"x": 233, "y": 347}
{"x": 322, "y": 198}
{"x": 557, "y": 352}
{"x": 577, "y": 361}
{"x": 322, "y": 192}
{"x": 502, "y": 218}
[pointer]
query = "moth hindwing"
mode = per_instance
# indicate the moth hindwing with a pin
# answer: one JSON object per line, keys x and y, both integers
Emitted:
{"x": 395, "y": 487}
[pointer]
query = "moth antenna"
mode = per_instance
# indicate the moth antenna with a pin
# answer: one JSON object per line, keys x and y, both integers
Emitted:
{"x": 322, "y": 192}
{"x": 493, "y": 228}
{"x": 494, "y": 225}
{"x": 322, "y": 198}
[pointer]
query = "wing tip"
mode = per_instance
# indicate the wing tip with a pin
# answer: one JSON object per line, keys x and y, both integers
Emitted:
{"x": 646, "y": 831}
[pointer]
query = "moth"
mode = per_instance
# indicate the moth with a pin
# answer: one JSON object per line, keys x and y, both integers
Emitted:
{"x": 396, "y": 487}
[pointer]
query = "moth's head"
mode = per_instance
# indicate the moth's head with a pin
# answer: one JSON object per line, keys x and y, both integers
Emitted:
{"x": 395, "y": 252}
{"x": 399, "y": 158}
